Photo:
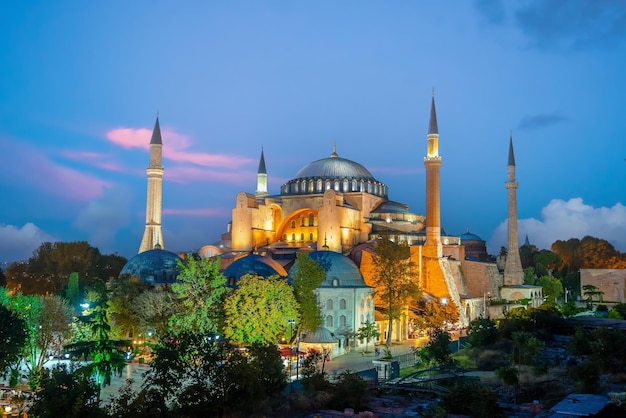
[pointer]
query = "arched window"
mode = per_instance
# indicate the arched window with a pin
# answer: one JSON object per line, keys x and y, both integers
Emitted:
{"x": 337, "y": 185}
{"x": 345, "y": 185}
{"x": 293, "y": 237}
{"x": 353, "y": 186}
{"x": 301, "y": 237}
{"x": 369, "y": 187}
{"x": 301, "y": 221}
{"x": 327, "y": 184}
{"x": 293, "y": 224}
{"x": 342, "y": 321}
{"x": 329, "y": 304}
{"x": 319, "y": 185}
{"x": 284, "y": 237}
{"x": 303, "y": 186}
{"x": 296, "y": 187}
{"x": 310, "y": 186}
{"x": 342, "y": 304}
{"x": 311, "y": 220}
{"x": 335, "y": 282}
{"x": 311, "y": 236}
{"x": 361, "y": 186}
{"x": 329, "y": 321}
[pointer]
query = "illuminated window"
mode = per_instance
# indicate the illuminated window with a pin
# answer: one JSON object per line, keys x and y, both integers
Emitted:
{"x": 319, "y": 185}
{"x": 342, "y": 304}
{"x": 342, "y": 321}
{"x": 311, "y": 236}
{"x": 336, "y": 185}
{"x": 335, "y": 282}
{"x": 303, "y": 186}
{"x": 284, "y": 237}
{"x": 301, "y": 221}
{"x": 293, "y": 224}
{"x": 329, "y": 304}
{"x": 327, "y": 184}
{"x": 345, "y": 185}
{"x": 310, "y": 186}
{"x": 311, "y": 219}
{"x": 329, "y": 321}
{"x": 301, "y": 237}
{"x": 354, "y": 185}
{"x": 293, "y": 237}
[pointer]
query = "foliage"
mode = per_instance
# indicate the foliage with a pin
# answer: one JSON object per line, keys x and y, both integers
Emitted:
{"x": 529, "y": 275}
{"x": 350, "y": 392}
{"x": 591, "y": 293}
{"x": 587, "y": 375}
{"x": 72, "y": 291}
{"x": 307, "y": 275}
{"x": 570, "y": 309}
{"x": 394, "y": 277}
{"x": 551, "y": 287}
{"x": 508, "y": 374}
{"x": 437, "y": 349}
{"x": 367, "y": 332}
{"x": 153, "y": 309}
{"x": 123, "y": 293}
{"x": 527, "y": 347}
{"x": 620, "y": 308}
{"x": 12, "y": 338}
{"x": 108, "y": 356}
{"x": 482, "y": 332}
{"x": 313, "y": 377}
{"x": 259, "y": 310}
{"x": 472, "y": 399}
{"x": 129, "y": 403}
{"x": 198, "y": 375}
{"x": 202, "y": 290}
{"x": 589, "y": 252}
{"x": 65, "y": 394}
{"x": 546, "y": 262}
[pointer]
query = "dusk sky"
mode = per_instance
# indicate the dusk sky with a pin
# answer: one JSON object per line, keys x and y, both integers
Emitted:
{"x": 81, "y": 83}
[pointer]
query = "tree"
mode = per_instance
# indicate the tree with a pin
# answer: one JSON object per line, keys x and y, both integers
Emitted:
{"x": 547, "y": 260}
{"x": 123, "y": 293}
{"x": 592, "y": 293}
{"x": 367, "y": 332}
{"x": 66, "y": 394}
{"x": 108, "y": 356}
{"x": 259, "y": 310}
{"x": 482, "y": 332}
{"x": 201, "y": 291}
{"x": 72, "y": 291}
{"x": 551, "y": 288}
{"x": 437, "y": 350}
{"x": 307, "y": 275}
{"x": 12, "y": 338}
{"x": 153, "y": 309}
{"x": 394, "y": 278}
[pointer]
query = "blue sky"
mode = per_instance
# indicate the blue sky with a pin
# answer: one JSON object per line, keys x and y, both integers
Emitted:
{"x": 81, "y": 83}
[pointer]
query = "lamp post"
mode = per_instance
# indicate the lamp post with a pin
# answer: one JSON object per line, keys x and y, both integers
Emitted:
{"x": 291, "y": 324}
{"x": 444, "y": 302}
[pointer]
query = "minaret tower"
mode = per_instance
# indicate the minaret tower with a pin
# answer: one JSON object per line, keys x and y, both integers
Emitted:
{"x": 152, "y": 236}
{"x": 432, "y": 162}
{"x": 261, "y": 178}
{"x": 513, "y": 272}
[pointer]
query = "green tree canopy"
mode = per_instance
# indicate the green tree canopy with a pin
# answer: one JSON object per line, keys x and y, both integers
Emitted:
{"x": 201, "y": 292}
{"x": 12, "y": 338}
{"x": 395, "y": 278}
{"x": 307, "y": 275}
{"x": 552, "y": 288}
{"x": 259, "y": 309}
{"x": 367, "y": 332}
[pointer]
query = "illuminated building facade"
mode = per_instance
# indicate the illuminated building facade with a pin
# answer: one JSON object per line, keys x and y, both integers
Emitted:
{"x": 152, "y": 236}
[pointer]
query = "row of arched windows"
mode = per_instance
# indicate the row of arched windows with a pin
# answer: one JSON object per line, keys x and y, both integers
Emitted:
{"x": 345, "y": 185}
{"x": 293, "y": 236}
{"x": 303, "y": 221}
{"x": 330, "y": 321}
{"x": 342, "y": 304}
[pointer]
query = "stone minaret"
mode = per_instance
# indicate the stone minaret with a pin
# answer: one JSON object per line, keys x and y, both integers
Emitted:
{"x": 152, "y": 236}
{"x": 432, "y": 162}
{"x": 261, "y": 178}
{"x": 513, "y": 272}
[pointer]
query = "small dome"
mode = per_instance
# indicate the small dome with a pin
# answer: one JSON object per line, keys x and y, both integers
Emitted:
{"x": 322, "y": 335}
{"x": 340, "y": 270}
{"x": 468, "y": 236}
{"x": 387, "y": 206}
{"x": 153, "y": 267}
{"x": 253, "y": 264}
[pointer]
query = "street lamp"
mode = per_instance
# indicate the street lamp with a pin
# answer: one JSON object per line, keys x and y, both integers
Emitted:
{"x": 444, "y": 302}
{"x": 291, "y": 323}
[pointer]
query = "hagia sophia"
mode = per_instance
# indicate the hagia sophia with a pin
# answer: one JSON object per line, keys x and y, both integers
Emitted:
{"x": 335, "y": 210}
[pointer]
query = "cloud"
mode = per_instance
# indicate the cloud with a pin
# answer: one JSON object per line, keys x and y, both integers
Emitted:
{"x": 93, "y": 158}
{"x": 562, "y": 220}
{"x": 17, "y": 244}
{"x": 541, "y": 120}
{"x": 558, "y": 24}
{"x": 174, "y": 147}
{"x": 35, "y": 169}
{"x": 104, "y": 216}
{"x": 184, "y": 174}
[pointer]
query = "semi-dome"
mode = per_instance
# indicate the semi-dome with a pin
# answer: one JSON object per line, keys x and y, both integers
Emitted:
{"x": 340, "y": 270}
{"x": 153, "y": 266}
{"x": 336, "y": 173}
{"x": 321, "y": 335}
{"x": 468, "y": 236}
{"x": 253, "y": 264}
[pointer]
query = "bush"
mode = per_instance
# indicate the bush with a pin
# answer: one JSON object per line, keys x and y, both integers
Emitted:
{"x": 350, "y": 392}
{"x": 482, "y": 332}
{"x": 472, "y": 399}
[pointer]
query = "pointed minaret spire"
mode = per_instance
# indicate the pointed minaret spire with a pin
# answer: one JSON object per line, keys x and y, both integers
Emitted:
{"x": 152, "y": 237}
{"x": 432, "y": 125}
{"x": 527, "y": 241}
{"x": 261, "y": 178}
{"x": 513, "y": 272}
{"x": 334, "y": 154}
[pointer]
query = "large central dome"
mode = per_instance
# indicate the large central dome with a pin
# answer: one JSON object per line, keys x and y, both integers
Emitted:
{"x": 334, "y": 173}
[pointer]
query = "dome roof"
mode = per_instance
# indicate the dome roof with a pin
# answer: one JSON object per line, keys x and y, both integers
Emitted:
{"x": 387, "y": 206}
{"x": 153, "y": 266}
{"x": 334, "y": 167}
{"x": 322, "y": 335}
{"x": 468, "y": 236}
{"x": 340, "y": 270}
{"x": 253, "y": 264}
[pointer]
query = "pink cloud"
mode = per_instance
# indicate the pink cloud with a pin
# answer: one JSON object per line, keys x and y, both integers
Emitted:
{"x": 35, "y": 168}
{"x": 180, "y": 174}
{"x": 175, "y": 146}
